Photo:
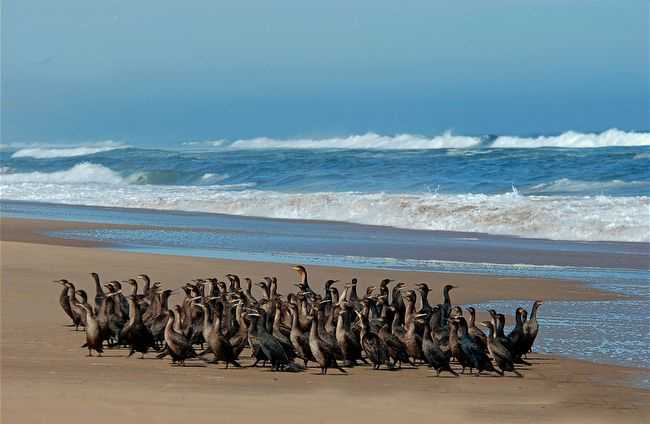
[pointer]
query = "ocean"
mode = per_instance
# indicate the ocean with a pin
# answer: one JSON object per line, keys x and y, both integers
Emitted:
{"x": 572, "y": 186}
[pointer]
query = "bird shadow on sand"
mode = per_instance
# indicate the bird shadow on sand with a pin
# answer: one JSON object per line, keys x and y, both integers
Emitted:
{"x": 190, "y": 366}
{"x": 108, "y": 356}
{"x": 338, "y": 374}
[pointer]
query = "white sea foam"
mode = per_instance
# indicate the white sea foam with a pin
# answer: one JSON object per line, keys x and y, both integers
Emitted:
{"x": 64, "y": 152}
{"x": 567, "y": 185}
{"x": 366, "y": 141}
{"x": 552, "y": 217}
{"x": 210, "y": 177}
{"x": 84, "y": 172}
{"x": 572, "y": 139}
{"x": 200, "y": 144}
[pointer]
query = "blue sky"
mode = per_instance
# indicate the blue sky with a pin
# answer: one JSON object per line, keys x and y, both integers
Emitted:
{"x": 162, "y": 72}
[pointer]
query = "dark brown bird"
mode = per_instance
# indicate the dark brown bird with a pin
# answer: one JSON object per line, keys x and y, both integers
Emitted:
{"x": 64, "y": 300}
{"x": 499, "y": 353}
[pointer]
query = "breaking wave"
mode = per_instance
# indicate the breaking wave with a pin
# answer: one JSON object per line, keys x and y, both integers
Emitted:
{"x": 366, "y": 141}
{"x": 572, "y": 139}
{"x": 566, "y": 185}
{"x": 569, "y": 139}
{"x": 587, "y": 218}
{"x": 87, "y": 172}
{"x": 84, "y": 172}
{"x": 66, "y": 152}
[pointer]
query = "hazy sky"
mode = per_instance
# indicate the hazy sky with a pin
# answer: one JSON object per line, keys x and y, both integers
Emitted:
{"x": 148, "y": 72}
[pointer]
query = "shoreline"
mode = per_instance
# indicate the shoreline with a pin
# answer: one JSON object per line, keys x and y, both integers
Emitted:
{"x": 43, "y": 368}
{"x": 408, "y": 249}
{"x": 21, "y": 230}
{"x": 445, "y": 233}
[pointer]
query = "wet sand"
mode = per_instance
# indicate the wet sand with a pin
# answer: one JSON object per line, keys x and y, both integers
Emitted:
{"x": 46, "y": 376}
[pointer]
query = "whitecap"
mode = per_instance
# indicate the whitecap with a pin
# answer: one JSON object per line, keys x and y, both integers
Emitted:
{"x": 572, "y": 139}
{"x": 568, "y": 185}
{"x": 65, "y": 152}
{"x": 84, "y": 172}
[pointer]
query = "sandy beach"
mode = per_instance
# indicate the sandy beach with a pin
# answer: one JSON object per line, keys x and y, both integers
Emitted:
{"x": 46, "y": 376}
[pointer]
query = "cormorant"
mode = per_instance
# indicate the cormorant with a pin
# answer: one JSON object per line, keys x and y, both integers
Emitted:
{"x": 93, "y": 333}
{"x": 396, "y": 348}
{"x": 298, "y": 338}
{"x": 532, "y": 328}
{"x": 499, "y": 353}
{"x": 64, "y": 300}
{"x": 221, "y": 347}
{"x": 346, "y": 340}
{"x": 83, "y": 300}
{"x": 303, "y": 277}
{"x": 135, "y": 333}
{"x": 271, "y": 347}
{"x": 475, "y": 333}
{"x": 516, "y": 336}
{"x": 424, "y": 295}
{"x": 456, "y": 348}
{"x": 178, "y": 347}
{"x": 446, "y": 305}
{"x": 434, "y": 356}
{"x": 500, "y": 336}
{"x": 374, "y": 347}
{"x": 99, "y": 292}
{"x": 77, "y": 311}
{"x": 473, "y": 353}
{"x": 412, "y": 339}
{"x": 323, "y": 352}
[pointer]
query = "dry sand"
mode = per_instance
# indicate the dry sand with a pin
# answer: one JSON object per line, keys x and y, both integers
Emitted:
{"x": 46, "y": 376}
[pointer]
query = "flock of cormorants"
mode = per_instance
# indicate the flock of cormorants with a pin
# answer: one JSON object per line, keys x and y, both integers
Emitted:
{"x": 336, "y": 330}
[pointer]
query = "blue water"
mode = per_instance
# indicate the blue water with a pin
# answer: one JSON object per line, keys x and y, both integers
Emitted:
{"x": 613, "y": 171}
{"x": 563, "y": 192}
{"x": 615, "y": 332}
